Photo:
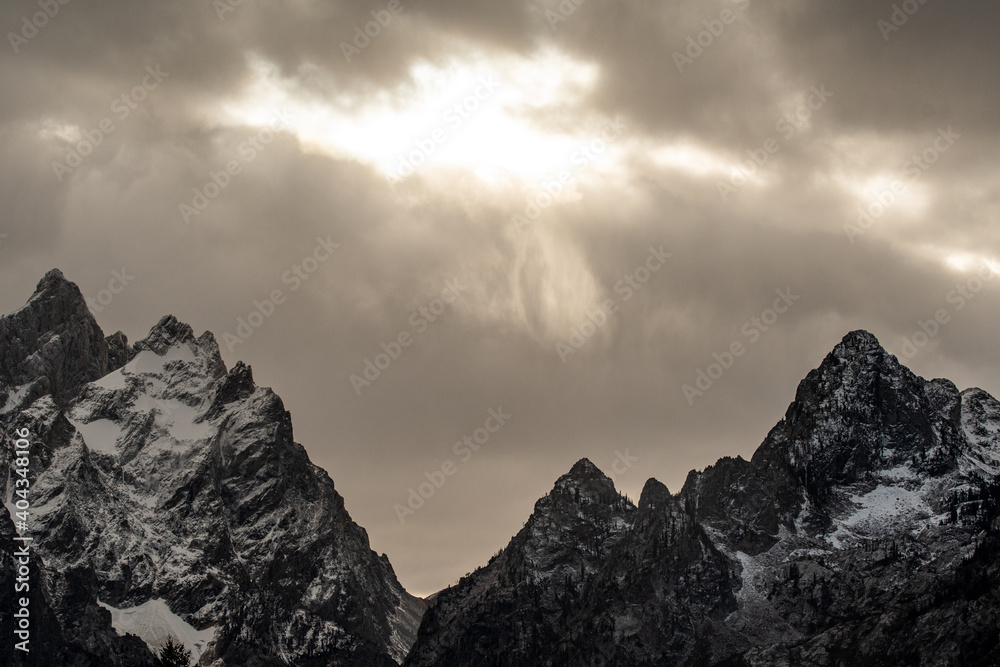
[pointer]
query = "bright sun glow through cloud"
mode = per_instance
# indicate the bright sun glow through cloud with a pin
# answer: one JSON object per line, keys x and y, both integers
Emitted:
{"x": 965, "y": 262}
{"x": 476, "y": 116}
{"x": 959, "y": 261}
{"x": 693, "y": 159}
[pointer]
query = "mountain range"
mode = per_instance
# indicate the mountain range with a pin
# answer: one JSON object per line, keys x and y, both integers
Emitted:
{"x": 169, "y": 497}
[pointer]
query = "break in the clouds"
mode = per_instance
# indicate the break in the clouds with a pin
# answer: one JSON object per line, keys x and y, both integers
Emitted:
{"x": 567, "y": 211}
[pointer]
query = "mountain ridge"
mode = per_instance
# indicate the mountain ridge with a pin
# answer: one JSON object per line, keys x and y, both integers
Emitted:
{"x": 865, "y": 528}
{"x": 158, "y": 473}
{"x": 851, "y": 536}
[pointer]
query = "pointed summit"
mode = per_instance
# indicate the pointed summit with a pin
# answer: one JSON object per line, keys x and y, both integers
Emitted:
{"x": 586, "y": 481}
{"x": 860, "y": 338}
{"x": 859, "y": 343}
{"x": 166, "y": 333}
{"x": 862, "y": 351}
{"x": 859, "y": 349}
{"x": 52, "y": 344}
{"x": 166, "y": 433}
{"x": 584, "y": 469}
{"x": 53, "y": 278}
{"x": 873, "y": 475}
{"x": 533, "y": 582}
{"x": 655, "y": 494}
{"x": 856, "y": 370}
{"x": 170, "y": 332}
{"x": 55, "y": 290}
{"x": 858, "y": 413}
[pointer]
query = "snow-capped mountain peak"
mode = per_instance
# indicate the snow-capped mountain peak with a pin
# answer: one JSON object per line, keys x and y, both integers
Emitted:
{"x": 852, "y": 536}
{"x": 162, "y": 477}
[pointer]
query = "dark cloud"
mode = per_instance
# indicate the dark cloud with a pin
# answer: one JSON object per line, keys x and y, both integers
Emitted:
{"x": 495, "y": 346}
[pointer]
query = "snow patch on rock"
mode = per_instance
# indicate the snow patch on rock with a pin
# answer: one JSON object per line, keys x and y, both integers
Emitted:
{"x": 881, "y": 508}
{"x": 15, "y": 398}
{"x": 153, "y": 623}
{"x": 100, "y": 435}
{"x": 753, "y": 574}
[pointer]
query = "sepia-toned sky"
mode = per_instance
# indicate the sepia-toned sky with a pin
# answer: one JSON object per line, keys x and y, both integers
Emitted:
{"x": 588, "y": 199}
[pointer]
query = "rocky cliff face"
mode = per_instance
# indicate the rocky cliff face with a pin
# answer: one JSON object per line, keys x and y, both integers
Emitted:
{"x": 158, "y": 475}
{"x": 67, "y": 627}
{"x": 863, "y": 531}
{"x": 169, "y": 495}
{"x": 52, "y": 345}
{"x": 523, "y": 599}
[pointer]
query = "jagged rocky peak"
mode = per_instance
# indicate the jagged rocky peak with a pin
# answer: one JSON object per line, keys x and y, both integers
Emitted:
{"x": 53, "y": 345}
{"x": 585, "y": 498}
{"x": 977, "y": 398}
{"x": 860, "y": 379}
{"x": 585, "y": 480}
{"x": 53, "y": 285}
{"x": 534, "y": 582}
{"x": 584, "y": 468}
{"x": 166, "y": 333}
{"x": 171, "y": 333}
{"x": 859, "y": 341}
{"x": 858, "y": 412}
{"x": 855, "y": 362}
{"x": 56, "y": 302}
{"x": 582, "y": 499}
{"x": 980, "y": 422}
{"x": 944, "y": 397}
{"x": 169, "y": 488}
{"x": 238, "y": 385}
{"x": 863, "y": 531}
{"x": 654, "y": 496}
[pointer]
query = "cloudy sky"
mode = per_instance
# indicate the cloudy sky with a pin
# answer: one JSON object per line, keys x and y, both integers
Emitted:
{"x": 557, "y": 211}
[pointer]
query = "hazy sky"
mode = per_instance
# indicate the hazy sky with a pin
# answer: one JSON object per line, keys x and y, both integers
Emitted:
{"x": 679, "y": 168}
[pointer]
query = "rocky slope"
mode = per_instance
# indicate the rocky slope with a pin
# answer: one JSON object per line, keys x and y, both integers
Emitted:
{"x": 863, "y": 531}
{"x": 159, "y": 475}
{"x": 169, "y": 496}
{"x": 524, "y": 596}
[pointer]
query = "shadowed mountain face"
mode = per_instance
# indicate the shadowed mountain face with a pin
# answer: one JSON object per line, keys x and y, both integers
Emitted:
{"x": 156, "y": 474}
{"x": 523, "y": 598}
{"x": 52, "y": 345}
{"x": 862, "y": 532}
